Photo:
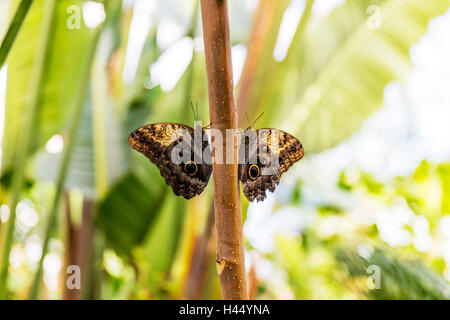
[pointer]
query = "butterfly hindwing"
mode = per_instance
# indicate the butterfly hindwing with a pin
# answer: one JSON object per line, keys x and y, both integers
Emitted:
{"x": 259, "y": 174}
{"x": 157, "y": 141}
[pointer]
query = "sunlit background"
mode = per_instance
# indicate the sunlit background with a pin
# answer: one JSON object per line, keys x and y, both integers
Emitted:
{"x": 364, "y": 85}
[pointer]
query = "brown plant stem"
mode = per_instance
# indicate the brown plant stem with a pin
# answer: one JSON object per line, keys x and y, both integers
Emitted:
{"x": 260, "y": 68}
{"x": 79, "y": 243}
{"x": 252, "y": 282}
{"x": 200, "y": 259}
{"x": 262, "y": 26}
{"x": 223, "y": 116}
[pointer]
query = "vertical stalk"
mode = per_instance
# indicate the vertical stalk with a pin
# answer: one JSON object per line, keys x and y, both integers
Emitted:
{"x": 261, "y": 41}
{"x": 14, "y": 29}
{"x": 99, "y": 80}
{"x": 260, "y": 68}
{"x": 73, "y": 129}
{"x": 79, "y": 243}
{"x": 29, "y": 125}
{"x": 199, "y": 261}
{"x": 191, "y": 68}
{"x": 223, "y": 115}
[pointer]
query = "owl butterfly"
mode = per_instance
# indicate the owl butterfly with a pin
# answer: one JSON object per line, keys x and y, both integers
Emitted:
{"x": 260, "y": 167}
{"x": 265, "y": 154}
{"x": 165, "y": 145}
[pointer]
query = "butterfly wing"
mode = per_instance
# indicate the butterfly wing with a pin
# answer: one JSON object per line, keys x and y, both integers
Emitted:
{"x": 275, "y": 153}
{"x": 157, "y": 141}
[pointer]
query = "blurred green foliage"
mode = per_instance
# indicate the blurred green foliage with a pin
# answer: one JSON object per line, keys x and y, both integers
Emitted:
{"x": 144, "y": 240}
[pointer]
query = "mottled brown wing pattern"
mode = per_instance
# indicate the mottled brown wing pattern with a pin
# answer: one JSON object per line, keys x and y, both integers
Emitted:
{"x": 156, "y": 142}
{"x": 288, "y": 150}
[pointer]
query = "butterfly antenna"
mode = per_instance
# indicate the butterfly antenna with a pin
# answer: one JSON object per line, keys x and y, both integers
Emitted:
{"x": 259, "y": 117}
